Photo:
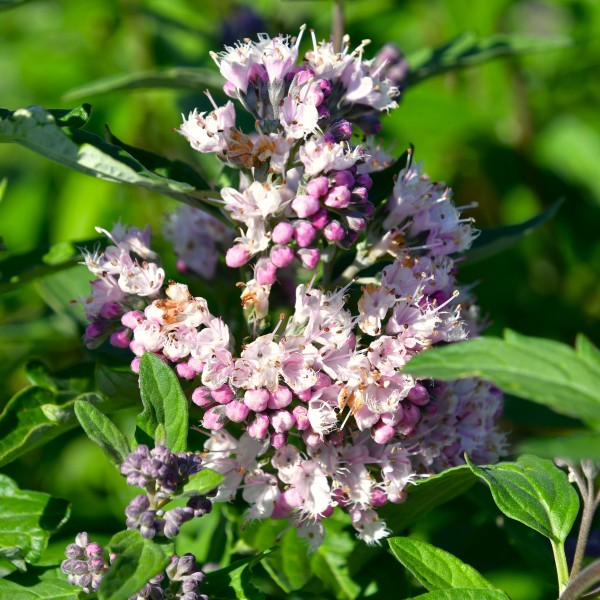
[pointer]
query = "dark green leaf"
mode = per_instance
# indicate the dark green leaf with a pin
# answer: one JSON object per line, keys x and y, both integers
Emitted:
{"x": 535, "y": 492}
{"x": 54, "y": 589}
{"x": 77, "y": 378}
{"x": 203, "y": 482}
{"x": 19, "y": 269}
{"x": 234, "y": 581}
{"x": 536, "y": 369}
{"x": 103, "y": 432}
{"x": 288, "y": 565}
{"x": 425, "y": 495}
{"x": 467, "y": 50}
{"x": 181, "y": 77}
{"x": 36, "y": 129}
{"x": 435, "y": 568}
{"x": 26, "y": 521}
{"x": 72, "y": 117}
{"x": 119, "y": 386}
{"x": 33, "y": 417}
{"x": 164, "y": 404}
{"x": 5, "y": 4}
{"x": 463, "y": 594}
{"x": 138, "y": 560}
{"x": 494, "y": 240}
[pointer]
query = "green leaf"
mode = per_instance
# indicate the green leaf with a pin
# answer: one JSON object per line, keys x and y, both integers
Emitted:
{"x": 103, "y": 432}
{"x": 468, "y": 50}
{"x": 6, "y": 4}
{"x": 536, "y": 369}
{"x": 72, "y": 117}
{"x": 577, "y": 446}
{"x": 37, "y": 129}
{"x": 496, "y": 239}
{"x": 535, "y": 492}
{"x": 33, "y": 417}
{"x": 463, "y": 594}
{"x": 18, "y": 269}
{"x": 138, "y": 560}
{"x": 288, "y": 565}
{"x": 26, "y": 521}
{"x": 203, "y": 482}
{"x": 180, "y": 78}
{"x": 234, "y": 581}
{"x": 119, "y": 386}
{"x": 435, "y": 568}
{"x": 425, "y": 495}
{"x": 54, "y": 589}
{"x": 164, "y": 404}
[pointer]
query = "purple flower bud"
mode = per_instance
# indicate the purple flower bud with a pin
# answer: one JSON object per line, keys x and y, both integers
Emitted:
{"x": 432, "y": 407}
{"x": 342, "y": 178}
{"x": 96, "y": 565}
{"x": 223, "y": 395}
{"x": 257, "y": 400}
{"x": 305, "y": 206}
{"x": 282, "y": 256}
{"x": 201, "y": 505}
{"x": 135, "y": 364}
{"x": 214, "y": 418}
{"x": 73, "y": 566}
{"x": 94, "y": 330}
{"x": 370, "y": 124}
{"x": 265, "y": 272}
{"x": 181, "y": 567}
{"x": 237, "y": 256}
{"x": 301, "y": 415}
{"x": 282, "y": 233}
{"x": 184, "y": 371}
{"x": 74, "y": 551}
{"x": 318, "y": 187}
{"x": 324, "y": 114}
{"x": 201, "y": 397}
{"x": 411, "y": 417}
{"x": 334, "y": 232}
{"x": 278, "y": 440}
{"x": 309, "y": 257}
{"x": 312, "y": 439}
{"x": 120, "y": 339}
{"x": 236, "y": 411}
{"x": 364, "y": 180}
{"x": 325, "y": 86}
{"x": 418, "y": 395}
{"x": 304, "y": 75}
{"x": 338, "y": 197}
{"x": 304, "y": 233}
{"x": 110, "y": 310}
{"x": 93, "y": 550}
{"x": 360, "y": 194}
{"x": 305, "y": 395}
{"x": 259, "y": 427}
{"x": 280, "y": 398}
{"x": 320, "y": 218}
{"x": 378, "y": 498}
{"x": 342, "y": 130}
{"x": 355, "y": 221}
{"x": 175, "y": 518}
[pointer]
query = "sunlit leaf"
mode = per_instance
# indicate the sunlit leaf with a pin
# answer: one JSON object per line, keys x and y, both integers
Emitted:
{"x": 535, "y": 492}
{"x": 536, "y": 369}
{"x": 234, "y": 581}
{"x": 463, "y": 594}
{"x": 435, "y": 568}
{"x": 203, "y": 482}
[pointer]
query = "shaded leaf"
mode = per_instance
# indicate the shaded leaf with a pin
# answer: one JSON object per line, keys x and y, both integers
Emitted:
{"x": 164, "y": 404}
{"x": 103, "y": 432}
{"x": 120, "y": 386}
{"x": 138, "y": 560}
{"x": 288, "y": 565}
{"x": 435, "y": 568}
{"x": 180, "y": 78}
{"x": 463, "y": 594}
{"x": 54, "y": 589}
{"x": 468, "y": 49}
{"x": 203, "y": 482}
{"x": 72, "y": 117}
{"x": 26, "y": 521}
{"x": 6, "y": 4}
{"x": 496, "y": 239}
{"x": 535, "y": 492}
{"x": 578, "y": 446}
{"x": 384, "y": 180}
{"x": 425, "y": 495}
{"x": 536, "y": 369}
{"x": 234, "y": 581}
{"x": 35, "y": 128}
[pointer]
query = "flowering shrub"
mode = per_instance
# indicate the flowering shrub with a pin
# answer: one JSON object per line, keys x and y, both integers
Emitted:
{"x": 351, "y": 386}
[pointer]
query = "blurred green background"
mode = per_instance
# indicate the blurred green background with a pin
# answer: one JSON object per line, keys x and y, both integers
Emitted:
{"x": 513, "y": 135}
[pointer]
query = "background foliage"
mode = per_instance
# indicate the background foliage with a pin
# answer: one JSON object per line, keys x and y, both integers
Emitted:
{"x": 514, "y": 135}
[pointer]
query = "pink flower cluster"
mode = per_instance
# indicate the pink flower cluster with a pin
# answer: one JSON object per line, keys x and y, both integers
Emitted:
{"x": 329, "y": 418}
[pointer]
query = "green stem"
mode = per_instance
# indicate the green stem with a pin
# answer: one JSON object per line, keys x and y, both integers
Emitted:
{"x": 562, "y": 569}
{"x": 338, "y": 24}
{"x": 587, "y": 517}
{"x": 585, "y": 580}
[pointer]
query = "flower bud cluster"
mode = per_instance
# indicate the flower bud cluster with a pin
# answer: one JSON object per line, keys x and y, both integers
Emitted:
{"x": 125, "y": 278}
{"x": 162, "y": 474}
{"x": 86, "y": 566}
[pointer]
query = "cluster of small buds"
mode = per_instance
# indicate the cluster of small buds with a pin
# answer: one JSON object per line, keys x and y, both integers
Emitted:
{"x": 162, "y": 474}
{"x": 85, "y": 564}
{"x": 126, "y": 278}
